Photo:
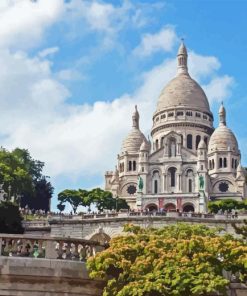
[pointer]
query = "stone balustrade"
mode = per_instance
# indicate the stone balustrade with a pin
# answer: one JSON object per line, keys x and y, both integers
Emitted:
{"x": 17, "y": 245}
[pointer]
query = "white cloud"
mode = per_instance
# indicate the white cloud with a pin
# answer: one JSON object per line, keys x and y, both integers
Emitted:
{"x": 152, "y": 43}
{"x": 23, "y": 22}
{"x": 219, "y": 88}
{"x": 48, "y": 51}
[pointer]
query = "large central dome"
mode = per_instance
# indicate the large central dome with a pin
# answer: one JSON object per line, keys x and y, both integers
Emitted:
{"x": 183, "y": 91}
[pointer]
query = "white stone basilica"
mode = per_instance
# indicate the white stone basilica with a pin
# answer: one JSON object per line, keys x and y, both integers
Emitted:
{"x": 188, "y": 162}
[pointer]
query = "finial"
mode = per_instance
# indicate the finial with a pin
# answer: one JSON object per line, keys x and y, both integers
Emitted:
{"x": 222, "y": 115}
{"x": 182, "y": 58}
{"x": 135, "y": 118}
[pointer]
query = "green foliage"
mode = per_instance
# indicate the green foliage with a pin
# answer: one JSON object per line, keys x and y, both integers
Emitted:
{"x": 21, "y": 175}
{"x": 10, "y": 218}
{"x": 61, "y": 207}
{"x": 242, "y": 230}
{"x": 103, "y": 200}
{"x": 179, "y": 260}
{"x": 226, "y": 205}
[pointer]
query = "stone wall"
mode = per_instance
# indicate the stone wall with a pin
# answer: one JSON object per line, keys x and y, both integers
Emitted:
{"x": 44, "y": 277}
{"x": 87, "y": 228}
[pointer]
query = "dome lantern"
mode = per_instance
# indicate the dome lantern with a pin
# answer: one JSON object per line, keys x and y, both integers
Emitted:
{"x": 182, "y": 57}
{"x": 222, "y": 115}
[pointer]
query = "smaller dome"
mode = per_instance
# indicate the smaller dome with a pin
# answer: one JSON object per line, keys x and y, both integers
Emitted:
{"x": 202, "y": 145}
{"x": 145, "y": 146}
{"x": 223, "y": 139}
{"x": 133, "y": 141}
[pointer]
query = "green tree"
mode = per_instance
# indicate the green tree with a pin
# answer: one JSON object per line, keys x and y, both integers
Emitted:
{"x": 181, "y": 260}
{"x": 10, "y": 218}
{"x": 73, "y": 197}
{"x": 226, "y": 205}
{"x": 105, "y": 201}
{"x": 61, "y": 207}
{"x": 22, "y": 178}
{"x": 242, "y": 230}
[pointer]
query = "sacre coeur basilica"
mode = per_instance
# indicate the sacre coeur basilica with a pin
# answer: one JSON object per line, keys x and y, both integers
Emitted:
{"x": 187, "y": 162}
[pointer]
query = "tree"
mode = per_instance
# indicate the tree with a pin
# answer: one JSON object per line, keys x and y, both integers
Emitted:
{"x": 61, "y": 207}
{"x": 242, "y": 230}
{"x": 10, "y": 218}
{"x": 175, "y": 260}
{"x": 22, "y": 178}
{"x": 226, "y": 205}
{"x": 105, "y": 201}
{"x": 73, "y": 197}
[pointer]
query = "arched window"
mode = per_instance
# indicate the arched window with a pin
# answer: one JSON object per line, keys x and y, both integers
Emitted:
{"x": 155, "y": 186}
{"x": 189, "y": 141}
{"x": 236, "y": 163}
{"x": 206, "y": 141}
{"x": 198, "y": 139}
{"x": 210, "y": 164}
{"x": 213, "y": 164}
{"x": 232, "y": 163}
{"x": 172, "y": 172}
{"x": 130, "y": 165}
{"x": 156, "y": 181}
{"x": 190, "y": 185}
{"x": 162, "y": 142}
{"x": 225, "y": 162}
{"x": 157, "y": 144}
{"x": 220, "y": 163}
{"x": 134, "y": 165}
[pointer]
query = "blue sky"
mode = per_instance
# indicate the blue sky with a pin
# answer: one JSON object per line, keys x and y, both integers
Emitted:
{"x": 72, "y": 71}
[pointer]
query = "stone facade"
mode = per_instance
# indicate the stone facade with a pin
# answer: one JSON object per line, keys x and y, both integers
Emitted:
{"x": 187, "y": 162}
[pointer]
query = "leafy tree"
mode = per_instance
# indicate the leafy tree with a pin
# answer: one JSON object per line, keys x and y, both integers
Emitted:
{"x": 105, "y": 201}
{"x": 61, "y": 207}
{"x": 73, "y": 197}
{"x": 10, "y": 218}
{"x": 242, "y": 230}
{"x": 181, "y": 260}
{"x": 22, "y": 178}
{"x": 226, "y": 205}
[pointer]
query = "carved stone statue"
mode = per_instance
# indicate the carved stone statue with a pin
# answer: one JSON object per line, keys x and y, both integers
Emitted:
{"x": 201, "y": 182}
{"x": 140, "y": 183}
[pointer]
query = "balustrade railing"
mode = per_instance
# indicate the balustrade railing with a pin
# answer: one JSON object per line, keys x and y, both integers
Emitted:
{"x": 17, "y": 245}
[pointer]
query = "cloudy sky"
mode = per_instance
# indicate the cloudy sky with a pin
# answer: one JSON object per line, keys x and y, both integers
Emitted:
{"x": 71, "y": 72}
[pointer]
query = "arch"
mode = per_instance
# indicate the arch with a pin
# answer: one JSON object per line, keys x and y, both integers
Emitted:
{"x": 151, "y": 207}
{"x": 188, "y": 207}
{"x": 212, "y": 163}
{"x": 189, "y": 141}
{"x": 198, "y": 139}
{"x": 101, "y": 237}
{"x": 172, "y": 174}
{"x": 130, "y": 165}
{"x": 170, "y": 207}
{"x": 225, "y": 162}
{"x": 134, "y": 165}
{"x": 157, "y": 144}
{"x": 220, "y": 162}
{"x": 155, "y": 181}
{"x": 190, "y": 185}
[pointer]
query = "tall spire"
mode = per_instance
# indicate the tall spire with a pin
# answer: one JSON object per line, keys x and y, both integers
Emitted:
{"x": 182, "y": 57}
{"x": 222, "y": 115}
{"x": 135, "y": 118}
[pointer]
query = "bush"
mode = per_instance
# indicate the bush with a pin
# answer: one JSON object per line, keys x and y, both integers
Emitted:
{"x": 226, "y": 205}
{"x": 10, "y": 218}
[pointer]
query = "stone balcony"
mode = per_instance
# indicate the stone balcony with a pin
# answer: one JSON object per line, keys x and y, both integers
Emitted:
{"x": 41, "y": 266}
